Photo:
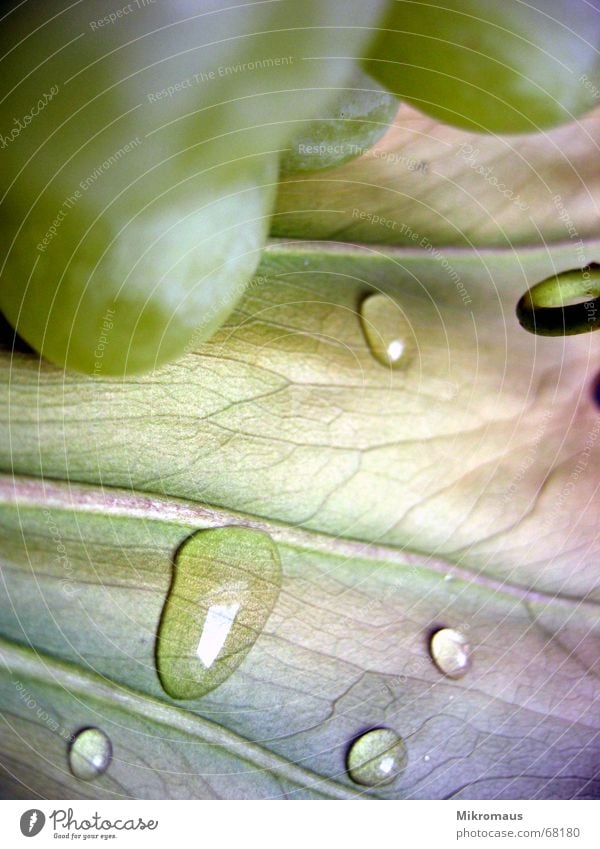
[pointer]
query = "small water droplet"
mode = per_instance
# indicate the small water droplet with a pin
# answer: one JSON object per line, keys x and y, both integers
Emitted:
{"x": 451, "y": 652}
{"x": 377, "y": 758}
{"x": 388, "y": 333}
{"x": 89, "y": 753}
{"x": 426, "y": 758}
{"x": 225, "y": 585}
{"x": 448, "y": 577}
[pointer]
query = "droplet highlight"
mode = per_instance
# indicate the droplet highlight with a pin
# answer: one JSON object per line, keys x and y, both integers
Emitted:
{"x": 377, "y": 758}
{"x": 387, "y": 332}
{"x": 225, "y": 585}
{"x": 451, "y": 652}
{"x": 90, "y": 754}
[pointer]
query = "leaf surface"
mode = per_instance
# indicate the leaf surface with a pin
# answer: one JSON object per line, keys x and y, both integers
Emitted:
{"x": 460, "y": 491}
{"x": 427, "y": 181}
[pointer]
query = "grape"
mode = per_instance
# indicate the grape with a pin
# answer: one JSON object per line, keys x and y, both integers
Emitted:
{"x": 360, "y": 116}
{"x": 563, "y": 305}
{"x": 140, "y": 161}
{"x": 235, "y": 67}
{"x": 498, "y": 67}
{"x": 130, "y": 289}
{"x": 167, "y": 260}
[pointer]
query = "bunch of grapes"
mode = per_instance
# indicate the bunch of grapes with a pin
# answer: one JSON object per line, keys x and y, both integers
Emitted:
{"x": 141, "y": 146}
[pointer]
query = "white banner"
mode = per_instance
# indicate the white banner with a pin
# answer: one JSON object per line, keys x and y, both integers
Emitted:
{"x": 357, "y": 824}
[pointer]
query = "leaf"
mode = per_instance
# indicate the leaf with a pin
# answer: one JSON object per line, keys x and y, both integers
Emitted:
{"x": 159, "y": 751}
{"x": 345, "y": 649}
{"x": 427, "y": 181}
{"x": 285, "y": 414}
{"x": 460, "y": 491}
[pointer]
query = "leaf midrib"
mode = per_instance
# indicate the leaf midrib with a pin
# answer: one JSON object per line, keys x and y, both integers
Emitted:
{"x": 31, "y": 493}
{"x": 34, "y": 665}
{"x": 332, "y": 247}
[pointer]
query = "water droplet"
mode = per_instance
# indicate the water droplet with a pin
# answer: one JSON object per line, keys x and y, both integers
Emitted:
{"x": 89, "y": 753}
{"x": 388, "y": 333}
{"x": 377, "y": 758}
{"x": 426, "y": 758}
{"x": 451, "y": 652}
{"x": 225, "y": 585}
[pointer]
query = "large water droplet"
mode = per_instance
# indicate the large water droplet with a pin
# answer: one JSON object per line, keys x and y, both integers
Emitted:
{"x": 377, "y": 757}
{"x": 90, "y": 753}
{"x": 225, "y": 586}
{"x": 451, "y": 652}
{"x": 388, "y": 334}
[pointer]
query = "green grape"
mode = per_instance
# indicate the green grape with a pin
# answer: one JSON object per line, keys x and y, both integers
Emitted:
{"x": 139, "y": 163}
{"x": 563, "y": 305}
{"x": 359, "y": 117}
{"x": 485, "y": 65}
{"x": 241, "y": 74}
{"x": 125, "y": 289}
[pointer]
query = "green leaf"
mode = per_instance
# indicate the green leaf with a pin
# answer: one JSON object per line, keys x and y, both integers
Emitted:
{"x": 459, "y": 491}
{"x": 159, "y": 751}
{"x": 286, "y": 414}
{"x": 425, "y": 180}
{"x": 345, "y": 649}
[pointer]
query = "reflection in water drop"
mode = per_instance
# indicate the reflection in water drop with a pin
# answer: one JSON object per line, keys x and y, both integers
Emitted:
{"x": 388, "y": 334}
{"x": 225, "y": 585}
{"x": 377, "y": 758}
{"x": 451, "y": 652}
{"x": 219, "y": 622}
{"x": 89, "y": 753}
